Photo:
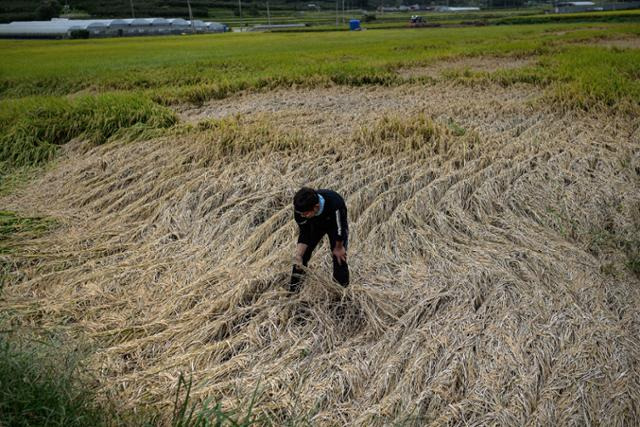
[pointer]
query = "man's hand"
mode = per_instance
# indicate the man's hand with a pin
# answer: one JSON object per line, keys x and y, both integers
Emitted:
{"x": 340, "y": 253}
{"x": 300, "y": 250}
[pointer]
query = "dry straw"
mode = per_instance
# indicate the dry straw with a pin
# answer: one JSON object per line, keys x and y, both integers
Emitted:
{"x": 491, "y": 258}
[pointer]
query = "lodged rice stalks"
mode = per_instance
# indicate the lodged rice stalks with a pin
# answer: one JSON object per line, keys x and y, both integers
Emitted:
{"x": 491, "y": 260}
{"x": 34, "y": 128}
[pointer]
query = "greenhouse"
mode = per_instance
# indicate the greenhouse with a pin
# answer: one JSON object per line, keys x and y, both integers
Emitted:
{"x": 84, "y": 28}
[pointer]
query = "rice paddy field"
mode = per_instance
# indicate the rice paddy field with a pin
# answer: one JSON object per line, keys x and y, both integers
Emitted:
{"x": 492, "y": 177}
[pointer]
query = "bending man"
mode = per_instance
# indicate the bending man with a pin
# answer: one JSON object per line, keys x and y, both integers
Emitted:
{"x": 320, "y": 212}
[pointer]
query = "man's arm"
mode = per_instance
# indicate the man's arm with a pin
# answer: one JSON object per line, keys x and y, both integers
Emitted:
{"x": 342, "y": 228}
{"x": 303, "y": 236}
{"x": 301, "y": 248}
{"x": 341, "y": 223}
{"x": 304, "y": 229}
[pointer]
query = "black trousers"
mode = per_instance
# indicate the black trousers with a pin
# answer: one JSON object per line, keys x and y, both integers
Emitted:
{"x": 340, "y": 271}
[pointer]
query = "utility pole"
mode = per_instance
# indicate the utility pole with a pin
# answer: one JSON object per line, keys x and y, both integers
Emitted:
{"x": 240, "y": 8}
{"x": 343, "y": 11}
{"x": 133, "y": 15}
{"x": 337, "y": 13}
{"x": 268, "y": 13}
{"x": 190, "y": 15}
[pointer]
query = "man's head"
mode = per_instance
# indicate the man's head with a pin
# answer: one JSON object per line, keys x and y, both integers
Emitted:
{"x": 306, "y": 202}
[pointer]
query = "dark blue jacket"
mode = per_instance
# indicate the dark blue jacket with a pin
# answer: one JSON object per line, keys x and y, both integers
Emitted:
{"x": 332, "y": 220}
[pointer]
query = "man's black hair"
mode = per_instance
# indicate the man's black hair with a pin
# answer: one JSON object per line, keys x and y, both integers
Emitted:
{"x": 305, "y": 199}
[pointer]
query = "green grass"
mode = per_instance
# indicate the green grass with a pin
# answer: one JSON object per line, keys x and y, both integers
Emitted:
{"x": 39, "y": 385}
{"x": 209, "y": 413}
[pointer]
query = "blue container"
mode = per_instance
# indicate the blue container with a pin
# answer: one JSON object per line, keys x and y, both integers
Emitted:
{"x": 354, "y": 25}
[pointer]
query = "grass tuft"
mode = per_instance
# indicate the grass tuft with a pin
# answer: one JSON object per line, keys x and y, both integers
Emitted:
{"x": 40, "y": 385}
{"x": 187, "y": 413}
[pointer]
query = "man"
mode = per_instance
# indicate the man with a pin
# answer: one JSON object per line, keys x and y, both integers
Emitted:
{"x": 320, "y": 212}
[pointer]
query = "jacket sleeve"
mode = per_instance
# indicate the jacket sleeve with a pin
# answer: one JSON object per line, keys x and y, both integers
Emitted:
{"x": 342, "y": 227}
{"x": 304, "y": 233}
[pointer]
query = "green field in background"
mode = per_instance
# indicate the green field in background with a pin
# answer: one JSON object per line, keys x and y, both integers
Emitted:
{"x": 63, "y": 67}
{"x": 567, "y": 62}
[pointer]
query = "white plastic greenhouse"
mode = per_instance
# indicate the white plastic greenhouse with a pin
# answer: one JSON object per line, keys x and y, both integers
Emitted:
{"x": 69, "y": 28}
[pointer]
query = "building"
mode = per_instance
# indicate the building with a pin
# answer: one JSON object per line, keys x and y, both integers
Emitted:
{"x": 60, "y": 28}
{"x": 575, "y": 6}
{"x": 455, "y": 9}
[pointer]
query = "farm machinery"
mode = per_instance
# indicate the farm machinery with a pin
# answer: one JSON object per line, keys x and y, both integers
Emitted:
{"x": 417, "y": 21}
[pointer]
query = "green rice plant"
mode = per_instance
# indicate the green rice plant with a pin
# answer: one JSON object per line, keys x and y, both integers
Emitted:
{"x": 607, "y": 78}
{"x": 164, "y": 63}
{"x": 30, "y": 128}
{"x": 15, "y": 228}
{"x": 196, "y": 94}
{"x": 610, "y": 16}
{"x": 418, "y": 133}
{"x": 624, "y": 240}
{"x": 457, "y": 129}
{"x": 104, "y": 115}
{"x": 171, "y": 70}
{"x": 231, "y": 137}
{"x": 534, "y": 75}
{"x": 360, "y": 77}
{"x": 575, "y": 76}
{"x": 33, "y": 128}
{"x": 12, "y": 223}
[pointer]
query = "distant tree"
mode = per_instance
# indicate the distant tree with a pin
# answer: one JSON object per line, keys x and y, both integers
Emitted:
{"x": 48, "y": 9}
{"x": 253, "y": 10}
